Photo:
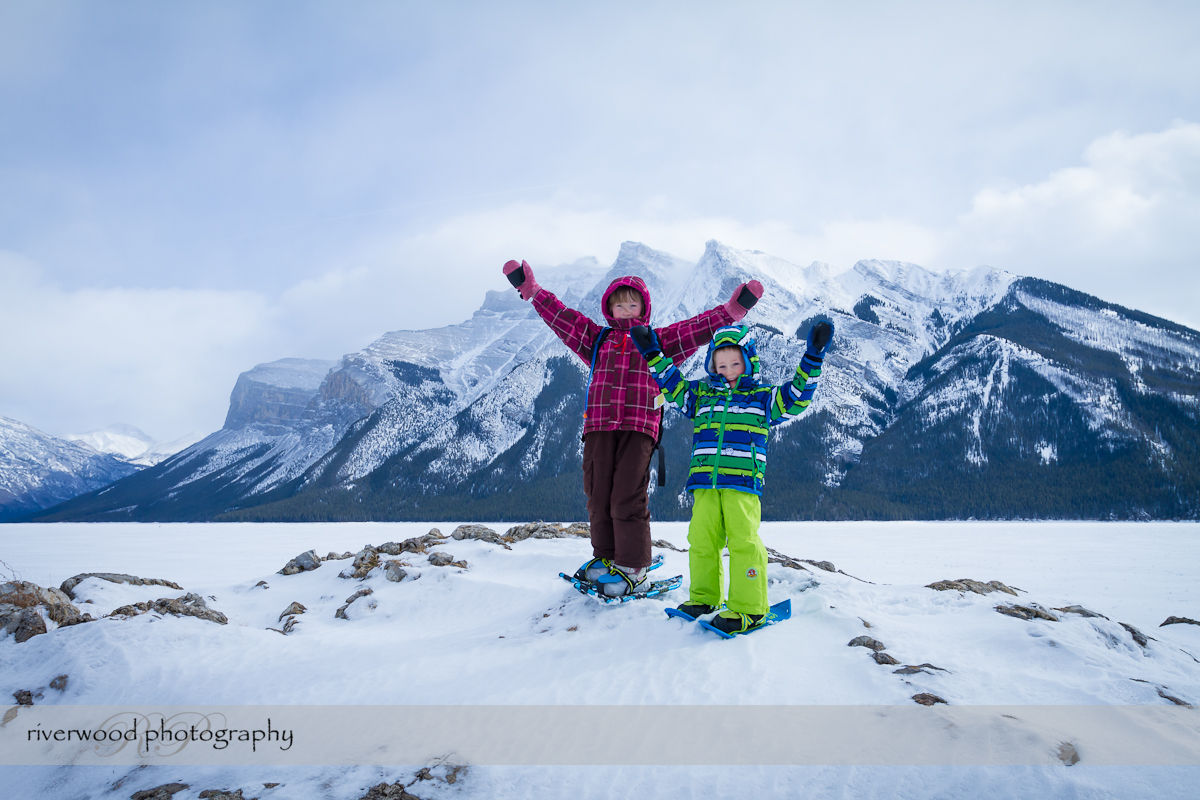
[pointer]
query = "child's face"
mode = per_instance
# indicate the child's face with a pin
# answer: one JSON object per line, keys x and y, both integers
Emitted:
{"x": 729, "y": 364}
{"x": 626, "y": 309}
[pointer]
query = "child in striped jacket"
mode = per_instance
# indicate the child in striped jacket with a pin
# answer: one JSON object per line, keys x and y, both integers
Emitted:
{"x": 621, "y": 421}
{"x": 732, "y": 414}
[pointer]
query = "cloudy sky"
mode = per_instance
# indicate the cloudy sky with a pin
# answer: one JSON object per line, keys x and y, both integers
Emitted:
{"x": 191, "y": 188}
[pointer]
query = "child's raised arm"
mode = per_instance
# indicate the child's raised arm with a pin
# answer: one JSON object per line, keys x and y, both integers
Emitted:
{"x": 792, "y": 398}
{"x": 574, "y": 328}
{"x": 680, "y": 339}
{"x": 521, "y": 277}
{"x": 675, "y": 389}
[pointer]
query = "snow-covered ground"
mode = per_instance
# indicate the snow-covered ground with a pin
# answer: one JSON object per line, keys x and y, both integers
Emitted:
{"x": 1033, "y": 708}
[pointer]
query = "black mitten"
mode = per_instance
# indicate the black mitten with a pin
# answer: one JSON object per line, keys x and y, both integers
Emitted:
{"x": 819, "y": 336}
{"x": 645, "y": 340}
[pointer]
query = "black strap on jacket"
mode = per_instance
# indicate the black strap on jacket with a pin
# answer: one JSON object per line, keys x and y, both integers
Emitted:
{"x": 662, "y": 467}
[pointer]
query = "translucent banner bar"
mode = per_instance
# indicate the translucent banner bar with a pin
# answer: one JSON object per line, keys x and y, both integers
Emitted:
{"x": 598, "y": 735}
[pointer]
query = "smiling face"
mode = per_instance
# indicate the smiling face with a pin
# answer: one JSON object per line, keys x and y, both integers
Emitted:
{"x": 625, "y": 303}
{"x": 630, "y": 309}
{"x": 729, "y": 364}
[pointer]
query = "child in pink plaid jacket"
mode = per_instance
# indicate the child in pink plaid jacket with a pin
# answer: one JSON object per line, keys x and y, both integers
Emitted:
{"x": 622, "y": 421}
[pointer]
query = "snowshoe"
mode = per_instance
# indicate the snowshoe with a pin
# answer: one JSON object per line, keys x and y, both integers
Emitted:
{"x": 591, "y": 570}
{"x": 648, "y": 589}
{"x": 690, "y": 611}
{"x": 622, "y": 581}
{"x": 730, "y": 623}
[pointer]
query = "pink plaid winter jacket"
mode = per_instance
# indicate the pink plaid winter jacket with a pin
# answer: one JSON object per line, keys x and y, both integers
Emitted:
{"x": 622, "y": 393}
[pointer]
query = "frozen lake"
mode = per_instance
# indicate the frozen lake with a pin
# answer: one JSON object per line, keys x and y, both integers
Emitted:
{"x": 501, "y": 630}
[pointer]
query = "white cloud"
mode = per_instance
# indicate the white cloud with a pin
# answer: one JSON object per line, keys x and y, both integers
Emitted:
{"x": 1104, "y": 227}
{"x": 1121, "y": 226}
{"x": 467, "y": 251}
{"x": 163, "y": 359}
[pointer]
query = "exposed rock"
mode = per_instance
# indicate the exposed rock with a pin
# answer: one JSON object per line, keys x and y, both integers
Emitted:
{"x": 24, "y": 697}
{"x": 1031, "y": 611}
{"x": 883, "y": 658}
{"x": 867, "y": 641}
{"x": 262, "y": 585}
{"x": 365, "y": 560}
{"x": 445, "y": 560}
{"x": 221, "y": 794}
{"x": 59, "y": 684}
{"x": 289, "y": 625}
{"x": 1142, "y": 639}
{"x": 368, "y": 558}
{"x": 451, "y": 773}
{"x": 663, "y": 544}
{"x": 968, "y": 585}
{"x": 927, "y": 699}
{"x": 27, "y": 595}
{"x": 19, "y": 601}
{"x": 775, "y": 557}
{"x": 23, "y": 623}
{"x": 363, "y": 592}
{"x": 546, "y": 530}
{"x": 1081, "y": 611}
{"x": 394, "y": 571}
{"x": 421, "y": 544}
{"x": 68, "y": 586}
{"x": 190, "y": 605}
{"x": 910, "y": 669}
{"x": 385, "y": 791}
{"x": 67, "y": 614}
{"x": 164, "y": 792}
{"x": 1162, "y": 692}
{"x": 305, "y": 562}
{"x": 289, "y": 618}
{"x": 293, "y": 609}
{"x": 481, "y": 533}
{"x": 1068, "y": 754}
{"x": 1178, "y": 621}
{"x": 332, "y": 556}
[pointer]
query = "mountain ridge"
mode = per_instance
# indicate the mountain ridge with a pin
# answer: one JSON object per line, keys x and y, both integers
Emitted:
{"x": 1019, "y": 381}
{"x": 39, "y": 470}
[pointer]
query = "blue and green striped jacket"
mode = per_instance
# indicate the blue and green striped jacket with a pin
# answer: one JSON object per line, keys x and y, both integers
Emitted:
{"x": 730, "y": 425}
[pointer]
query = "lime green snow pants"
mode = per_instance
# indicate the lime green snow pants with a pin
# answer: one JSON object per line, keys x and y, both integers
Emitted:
{"x": 723, "y": 517}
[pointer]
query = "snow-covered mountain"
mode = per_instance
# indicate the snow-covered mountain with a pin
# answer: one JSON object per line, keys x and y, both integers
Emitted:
{"x": 38, "y": 470}
{"x": 130, "y": 443}
{"x": 969, "y": 394}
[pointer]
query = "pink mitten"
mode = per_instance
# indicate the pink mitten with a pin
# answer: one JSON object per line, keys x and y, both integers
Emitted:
{"x": 743, "y": 299}
{"x": 521, "y": 277}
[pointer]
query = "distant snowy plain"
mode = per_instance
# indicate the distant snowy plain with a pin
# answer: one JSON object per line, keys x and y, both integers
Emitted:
{"x": 506, "y": 631}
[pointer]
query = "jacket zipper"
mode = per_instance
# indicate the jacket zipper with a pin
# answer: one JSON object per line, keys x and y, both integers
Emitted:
{"x": 721, "y": 437}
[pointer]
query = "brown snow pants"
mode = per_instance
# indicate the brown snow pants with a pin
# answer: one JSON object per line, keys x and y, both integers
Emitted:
{"x": 616, "y": 474}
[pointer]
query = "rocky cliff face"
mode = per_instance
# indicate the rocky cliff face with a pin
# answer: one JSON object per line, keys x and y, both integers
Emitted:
{"x": 276, "y": 394}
